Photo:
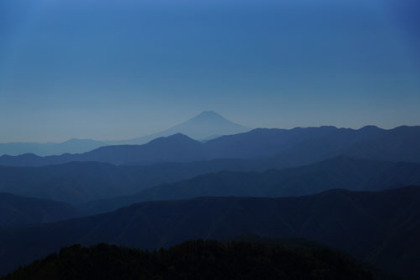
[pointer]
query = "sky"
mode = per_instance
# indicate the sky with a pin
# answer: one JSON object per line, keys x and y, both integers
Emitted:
{"x": 119, "y": 69}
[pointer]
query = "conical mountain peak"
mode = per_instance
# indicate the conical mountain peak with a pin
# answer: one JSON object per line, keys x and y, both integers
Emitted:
{"x": 204, "y": 126}
{"x": 208, "y": 116}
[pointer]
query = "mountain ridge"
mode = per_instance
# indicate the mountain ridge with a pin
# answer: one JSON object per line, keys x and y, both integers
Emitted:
{"x": 83, "y": 182}
{"x": 73, "y": 145}
{"x": 20, "y": 210}
{"x": 339, "y": 172}
{"x": 294, "y": 147}
{"x": 204, "y": 126}
{"x": 363, "y": 224}
{"x": 198, "y": 259}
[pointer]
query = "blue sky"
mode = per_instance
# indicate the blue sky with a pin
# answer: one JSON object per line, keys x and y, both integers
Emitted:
{"x": 121, "y": 69}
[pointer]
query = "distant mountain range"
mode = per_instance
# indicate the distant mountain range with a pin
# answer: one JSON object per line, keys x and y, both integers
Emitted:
{"x": 205, "y": 126}
{"x": 379, "y": 227}
{"x": 46, "y": 149}
{"x": 292, "y": 147}
{"x": 105, "y": 187}
{"x": 264, "y": 164}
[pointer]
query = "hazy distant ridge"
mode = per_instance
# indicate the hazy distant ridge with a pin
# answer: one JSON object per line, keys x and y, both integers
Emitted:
{"x": 204, "y": 126}
{"x": 46, "y": 149}
{"x": 293, "y": 147}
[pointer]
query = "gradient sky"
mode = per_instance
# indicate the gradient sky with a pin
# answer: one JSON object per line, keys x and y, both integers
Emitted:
{"x": 115, "y": 69}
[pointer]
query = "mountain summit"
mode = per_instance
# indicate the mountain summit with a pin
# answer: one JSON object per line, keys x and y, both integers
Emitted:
{"x": 204, "y": 126}
{"x": 206, "y": 116}
{"x": 207, "y": 125}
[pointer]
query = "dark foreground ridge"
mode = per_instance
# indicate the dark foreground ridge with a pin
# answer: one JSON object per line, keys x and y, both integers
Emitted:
{"x": 380, "y": 228}
{"x": 195, "y": 260}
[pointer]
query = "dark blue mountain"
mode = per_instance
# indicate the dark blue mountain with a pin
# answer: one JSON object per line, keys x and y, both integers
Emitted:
{"x": 175, "y": 148}
{"x": 379, "y": 227}
{"x": 340, "y": 172}
{"x": 289, "y": 147}
{"x": 17, "y": 210}
{"x": 116, "y": 186}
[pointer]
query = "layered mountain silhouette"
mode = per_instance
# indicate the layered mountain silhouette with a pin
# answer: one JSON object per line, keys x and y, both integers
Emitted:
{"x": 205, "y": 126}
{"x": 265, "y": 164}
{"x": 79, "y": 182}
{"x": 339, "y": 172}
{"x": 176, "y": 148}
{"x": 116, "y": 186}
{"x": 379, "y": 227}
{"x": 292, "y": 147}
{"x": 47, "y": 149}
{"x": 17, "y": 210}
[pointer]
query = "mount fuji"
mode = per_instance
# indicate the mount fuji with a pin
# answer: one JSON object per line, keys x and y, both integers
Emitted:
{"x": 205, "y": 126}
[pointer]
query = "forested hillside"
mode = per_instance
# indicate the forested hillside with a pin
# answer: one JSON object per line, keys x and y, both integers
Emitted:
{"x": 202, "y": 259}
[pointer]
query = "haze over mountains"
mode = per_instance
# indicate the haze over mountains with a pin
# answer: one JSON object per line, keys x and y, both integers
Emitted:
{"x": 117, "y": 186}
{"x": 321, "y": 140}
{"x": 268, "y": 182}
{"x": 204, "y": 126}
{"x": 45, "y": 149}
{"x": 292, "y": 147}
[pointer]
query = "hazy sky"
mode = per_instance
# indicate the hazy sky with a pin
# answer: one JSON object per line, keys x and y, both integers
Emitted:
{"x": 120, "y": 69}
